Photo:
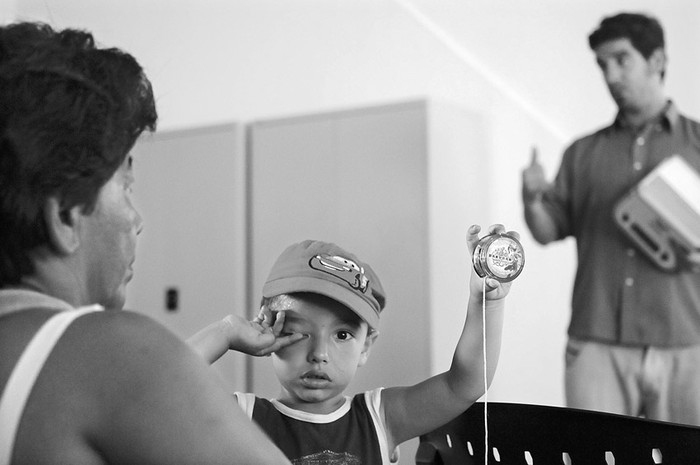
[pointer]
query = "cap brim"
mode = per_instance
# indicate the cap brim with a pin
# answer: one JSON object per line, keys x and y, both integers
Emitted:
{"x": 324, "y": 287}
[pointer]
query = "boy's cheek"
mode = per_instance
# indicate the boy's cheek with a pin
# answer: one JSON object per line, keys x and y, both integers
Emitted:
{"x": 290, "y": 351}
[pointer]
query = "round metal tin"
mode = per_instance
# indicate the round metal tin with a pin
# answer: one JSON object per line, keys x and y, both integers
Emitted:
{"x": 499, "y": 256}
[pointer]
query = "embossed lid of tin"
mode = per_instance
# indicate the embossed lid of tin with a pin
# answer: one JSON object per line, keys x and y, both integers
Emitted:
{"x": 499, "y": 256}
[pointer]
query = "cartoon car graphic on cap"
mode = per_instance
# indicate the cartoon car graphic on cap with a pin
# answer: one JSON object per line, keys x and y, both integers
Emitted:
{"x": 342, "y": 268}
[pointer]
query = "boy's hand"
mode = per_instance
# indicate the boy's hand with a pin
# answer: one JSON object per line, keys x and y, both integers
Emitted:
{"x": 495, "y": 290}
{"x": 262, "y": 336}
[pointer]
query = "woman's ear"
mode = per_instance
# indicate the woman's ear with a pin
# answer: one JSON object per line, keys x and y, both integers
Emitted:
{"x": 369, "y": 341}
{"x": 62, "y": 226}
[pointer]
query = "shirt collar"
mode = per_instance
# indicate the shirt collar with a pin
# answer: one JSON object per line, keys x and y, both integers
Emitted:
{"x": 668, "y": 118}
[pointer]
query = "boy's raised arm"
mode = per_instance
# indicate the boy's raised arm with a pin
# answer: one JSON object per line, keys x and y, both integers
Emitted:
{"x": 414, "y": 410}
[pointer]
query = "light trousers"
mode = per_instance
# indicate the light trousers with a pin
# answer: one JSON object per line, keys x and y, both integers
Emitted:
{"x": 651, "y": 382}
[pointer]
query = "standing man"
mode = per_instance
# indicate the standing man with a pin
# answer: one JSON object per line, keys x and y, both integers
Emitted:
{"x": 634, "y": 334}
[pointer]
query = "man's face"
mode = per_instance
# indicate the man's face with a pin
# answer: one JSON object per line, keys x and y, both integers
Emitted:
{"x": 108, "y": 240}
{"x": 631, "y": 79}
{"x": 315, "y": 371}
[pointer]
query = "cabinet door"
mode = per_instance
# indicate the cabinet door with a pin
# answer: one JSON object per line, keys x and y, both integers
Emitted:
{"x": 356, "y": 178}
{"x": 189, "y": 189}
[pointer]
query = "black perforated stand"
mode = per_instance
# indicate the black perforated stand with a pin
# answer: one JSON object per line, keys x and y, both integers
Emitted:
{"x": 525, "y": 434}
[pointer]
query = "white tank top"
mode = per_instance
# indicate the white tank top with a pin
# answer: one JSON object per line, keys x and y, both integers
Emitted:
{"x": 19, "y": 384}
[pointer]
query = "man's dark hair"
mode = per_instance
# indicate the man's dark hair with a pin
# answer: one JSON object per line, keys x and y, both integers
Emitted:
{"x": 644, "y": 32}
{"x": 70, "y": 112}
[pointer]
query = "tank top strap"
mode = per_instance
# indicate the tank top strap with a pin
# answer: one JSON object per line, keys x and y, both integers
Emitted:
{"x": 19, "y": 384}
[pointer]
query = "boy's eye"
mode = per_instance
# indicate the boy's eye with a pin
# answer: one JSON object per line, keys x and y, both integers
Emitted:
{"x": 344, "y": 335}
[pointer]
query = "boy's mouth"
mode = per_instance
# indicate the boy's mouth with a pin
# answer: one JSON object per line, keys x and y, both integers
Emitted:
{"x": 315, "y": 376}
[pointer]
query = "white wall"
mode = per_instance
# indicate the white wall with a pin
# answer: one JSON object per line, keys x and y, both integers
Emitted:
{"x": 242, "y": 59}
{"x": 523, "y": 66}
{"x": 7, "y": 10}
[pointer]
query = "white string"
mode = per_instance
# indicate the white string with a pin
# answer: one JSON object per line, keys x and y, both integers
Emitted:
{"x": 486, "y": 382}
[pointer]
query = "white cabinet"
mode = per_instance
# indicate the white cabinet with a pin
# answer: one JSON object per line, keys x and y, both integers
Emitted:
{"x": 190, "y": 191}
{"x": 398, "y": 185}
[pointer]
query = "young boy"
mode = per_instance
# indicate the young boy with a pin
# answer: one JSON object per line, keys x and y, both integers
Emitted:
{"x": 319, "y": 320}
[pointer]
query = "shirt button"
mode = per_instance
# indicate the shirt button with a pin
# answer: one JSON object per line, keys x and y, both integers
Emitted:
{"x": 640, "y": 140}
{"x": 630, "y": 252}
{"x": 637, "y": 166}
{"x": 629, "y": 282}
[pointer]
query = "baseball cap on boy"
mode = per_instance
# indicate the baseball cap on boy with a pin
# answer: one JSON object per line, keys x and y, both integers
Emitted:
{"x": 325, "y": 268}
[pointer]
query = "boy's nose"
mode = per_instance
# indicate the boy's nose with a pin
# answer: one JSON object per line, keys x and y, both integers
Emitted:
{"x": 319, "y": 352}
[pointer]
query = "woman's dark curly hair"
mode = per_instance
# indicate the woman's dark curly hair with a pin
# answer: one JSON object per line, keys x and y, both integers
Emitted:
{"x": 70, "y": 112}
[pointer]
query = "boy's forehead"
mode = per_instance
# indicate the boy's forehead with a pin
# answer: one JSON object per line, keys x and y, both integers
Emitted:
{"x": 312, "y": 306}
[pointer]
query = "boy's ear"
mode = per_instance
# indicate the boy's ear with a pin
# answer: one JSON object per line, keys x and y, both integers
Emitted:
{"x": 369, "y": 341}
{"x": 62, "y": 226}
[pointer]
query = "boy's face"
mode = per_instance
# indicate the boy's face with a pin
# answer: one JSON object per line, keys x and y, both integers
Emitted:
{"x": 315, "y": 371}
